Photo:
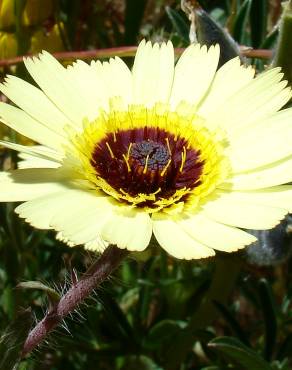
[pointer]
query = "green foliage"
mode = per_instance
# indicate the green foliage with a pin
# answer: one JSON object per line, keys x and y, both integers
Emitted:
{"x": 12, "y": 340}
{"x": 155, "y": 313}
{"x": 238, "y": 354}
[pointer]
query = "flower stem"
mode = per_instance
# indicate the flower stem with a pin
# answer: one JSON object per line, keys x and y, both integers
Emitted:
{"x": 79, "y": 291}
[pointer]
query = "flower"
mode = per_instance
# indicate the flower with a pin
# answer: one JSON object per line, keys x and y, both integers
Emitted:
{"x": 187, "y": 153}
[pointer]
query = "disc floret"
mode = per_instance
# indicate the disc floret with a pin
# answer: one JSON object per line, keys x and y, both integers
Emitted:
{"x": 150, "y": 158}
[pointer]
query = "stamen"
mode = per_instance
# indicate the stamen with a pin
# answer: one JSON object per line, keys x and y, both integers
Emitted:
{"x": 110, "y": 150}
{"x": 126, "y": 159}
{"x": 123, "y": 191}
{"x": 168, "y": 146}
{"x": 165, "y": 168}
{"x": 157, "y": 191}
{"x": 129, "y": 150}
{"x": 183, "y": 159}
{"x": 146, "y": 164}
{"x": 146, "y": 168}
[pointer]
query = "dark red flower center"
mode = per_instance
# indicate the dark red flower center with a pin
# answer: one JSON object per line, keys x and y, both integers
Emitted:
{"x": 147, "y": 161}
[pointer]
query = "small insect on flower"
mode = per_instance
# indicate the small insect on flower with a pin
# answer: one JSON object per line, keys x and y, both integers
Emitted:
{"x": 188, "y": 153}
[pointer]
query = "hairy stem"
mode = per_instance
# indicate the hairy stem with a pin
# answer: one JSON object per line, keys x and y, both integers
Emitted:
{"x": 94, "y": 276}
{"x": 123, "y": 51}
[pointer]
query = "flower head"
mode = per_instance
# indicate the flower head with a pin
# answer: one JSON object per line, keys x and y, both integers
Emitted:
{"x": 188, "y": 153}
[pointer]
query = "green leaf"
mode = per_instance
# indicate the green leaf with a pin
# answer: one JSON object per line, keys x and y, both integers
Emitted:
{"x": 238, "y": 354}
{"x": 258, "y": 21}
{"x": 163, "y": 332}
{"x": 241, "y": 21}
{"x": 230, "y": 319}
{"x": 284, "y": 365}
{"x": 117, "y": 321}
{"x": 8, "y": 301}
{"x": 179, "y": 23}
{"x": 141, "y": 363}
{"x": 285, "y": 349}
{"x": 270, "y": 317}
{"x": 270, "y": 40}
{"x": 11, "y": 342}
{"x": 53, "y": 295}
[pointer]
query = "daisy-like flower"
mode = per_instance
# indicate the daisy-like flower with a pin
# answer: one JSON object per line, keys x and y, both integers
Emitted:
{"x": 187, "y": 153}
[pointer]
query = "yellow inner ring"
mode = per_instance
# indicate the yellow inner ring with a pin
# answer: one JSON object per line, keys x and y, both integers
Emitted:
{"x": 179, "y": 123}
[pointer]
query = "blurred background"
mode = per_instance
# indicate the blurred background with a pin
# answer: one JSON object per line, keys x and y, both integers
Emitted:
{"x": 155, "y": 313}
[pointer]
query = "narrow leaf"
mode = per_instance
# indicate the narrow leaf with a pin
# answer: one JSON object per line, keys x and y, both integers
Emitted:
{"x": 179, "y": 23}
{"x": 230, "y": 319}
{"x": 53, "y": 295}
{"x": 270, "y": 317}
{"x": 241, "y": 21}
{"x": 238, "y": 354}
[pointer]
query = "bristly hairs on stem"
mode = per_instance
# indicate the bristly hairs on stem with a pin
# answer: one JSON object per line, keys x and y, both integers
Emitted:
{"x": 98, "y": 272}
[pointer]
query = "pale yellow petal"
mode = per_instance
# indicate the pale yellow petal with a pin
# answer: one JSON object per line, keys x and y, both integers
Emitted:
{"x": 100, "y": 82}
{"x": 21, "y": 122}
{"x": 194, "y": 73}
{"x": 215, "y": 235}
{"x": 173, "y": 238}
{"x": 40, "y": 210}
{"x": 37, "y": 151}
{"x": 35, "y": 103}
{"x": 153, "y": 73}
{"x": 77, "y": 214}
{"x": 118, "y": 79}
{"x": 28, "y": 161}
{"x": 229, "y": 79}
{"x": 59, "y": 86}
{"x": 242, "y": 213}
{"x": 26, "y": 184}
{"x": 82, "y": 220}
{"x": 261, "y": 97}
{"x": 277, "y": 173}
{"x": 277, "y": 196}
{"x": 97, "y": 245}
{"x": 263, "y": 143}
{"x": 131, "y": 231}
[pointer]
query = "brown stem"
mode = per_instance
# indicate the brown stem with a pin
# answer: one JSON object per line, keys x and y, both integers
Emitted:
{"x": 94, "y": 276}
{"x": 123, "y": 51}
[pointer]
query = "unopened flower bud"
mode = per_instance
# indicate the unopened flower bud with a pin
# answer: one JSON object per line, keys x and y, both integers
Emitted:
{"x": 43, "y": 40}
{"x": 37, "y": 11}
{"x": 8, "y": 45}
{"x": 7, "y": 16}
